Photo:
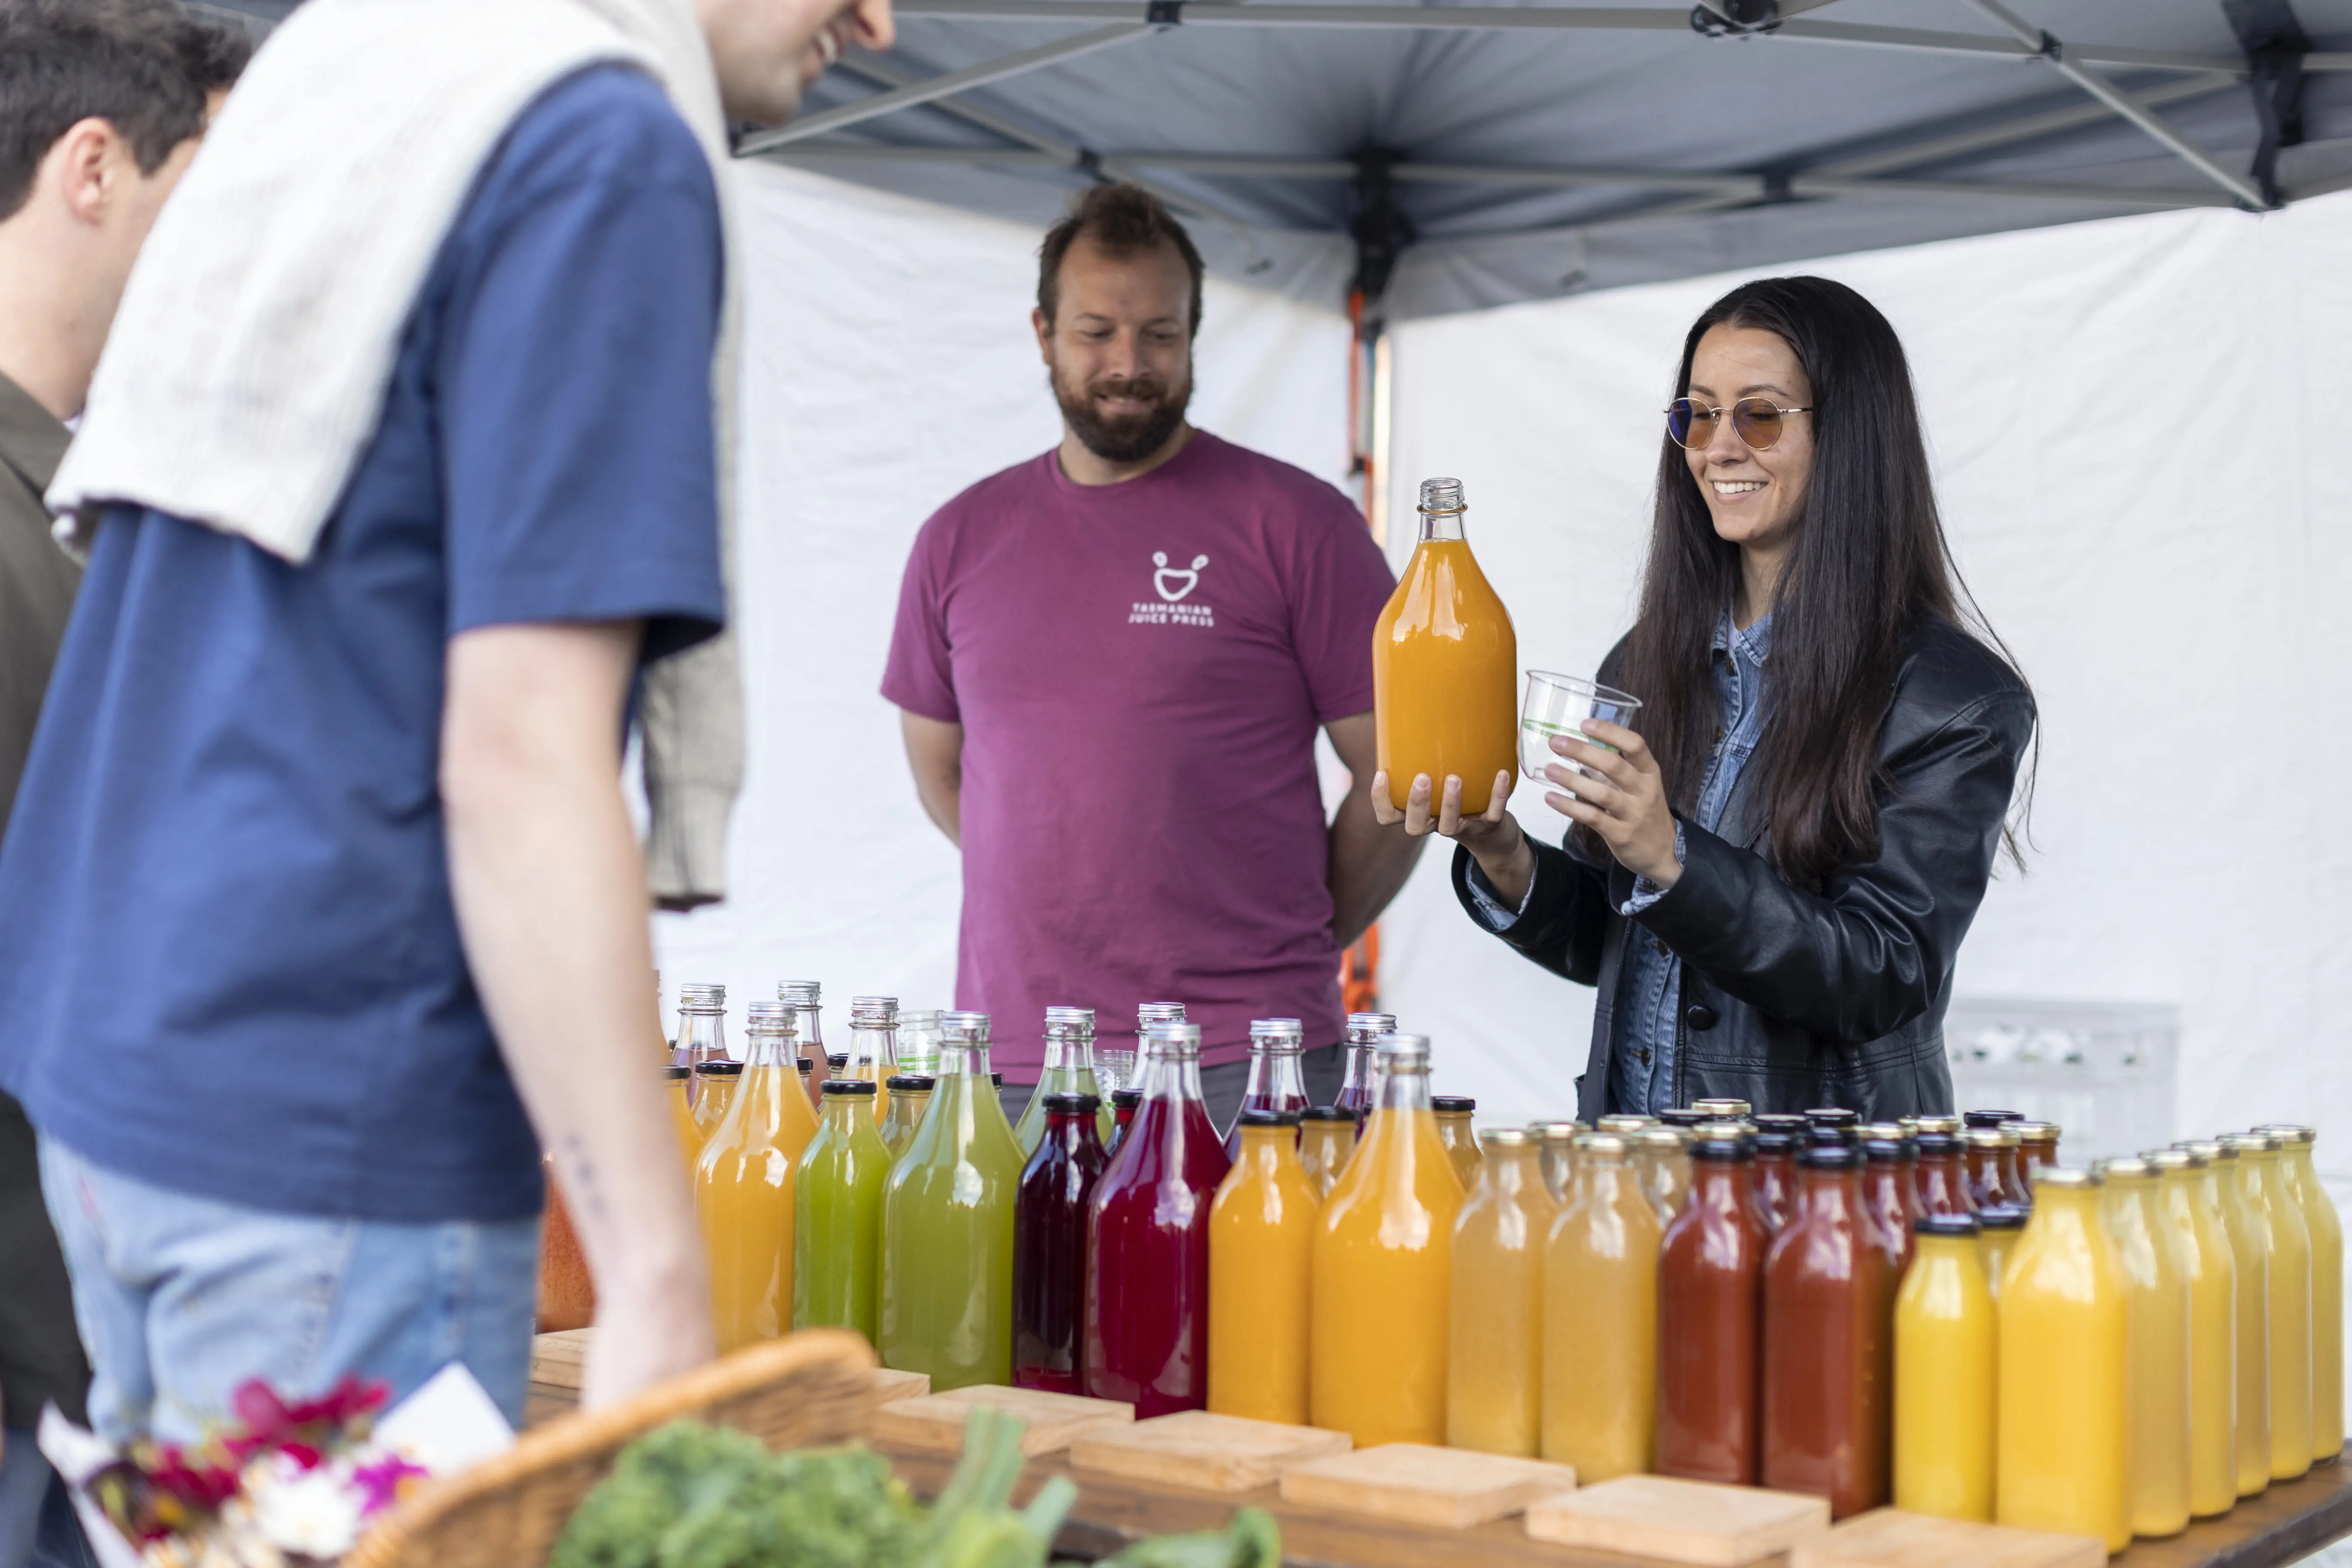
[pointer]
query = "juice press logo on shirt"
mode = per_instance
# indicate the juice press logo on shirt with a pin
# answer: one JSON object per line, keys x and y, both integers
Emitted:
{"x": 1174, "y": 584}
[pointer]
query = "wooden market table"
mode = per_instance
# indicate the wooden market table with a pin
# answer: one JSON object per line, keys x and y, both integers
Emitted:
{"x": 2286, "y": 1523}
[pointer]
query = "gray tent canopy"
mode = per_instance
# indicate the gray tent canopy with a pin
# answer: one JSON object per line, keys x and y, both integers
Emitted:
{"x": 1480, "y": 154}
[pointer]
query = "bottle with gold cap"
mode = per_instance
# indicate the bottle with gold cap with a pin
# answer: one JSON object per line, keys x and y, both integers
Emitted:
{"x": 2184, "y": 1198}
{"x": 1557, "y": 1142}
{"x": 1600, "y": 1317}
{"x": 2037, "y": 1145}
{"x": 2157, "y": 1407}
{"x": 1723, "y": 1109}
{"x": 1327, "y": 1137}
{"x": 1494, "y": 1382}
{"x": 1664, "y": 1162}
{"x": 1991, "y": 1165}
{"x": 2290, "y": 1250}
{"x": 2326, "y": 1287}
{"x": 2062, "y": 1453}
{"x": 2249, "y": 1250}
{"x": 1946, "y": 1331}
{"x": 1453, "y": 1112}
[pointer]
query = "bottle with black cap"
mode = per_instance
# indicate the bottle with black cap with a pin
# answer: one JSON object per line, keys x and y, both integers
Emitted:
{"x": 1829, "y": 1341}
{"x": 1777, "y": 1136}
{"x": 910, "y": 1093}
{"x": 1049, "y": 1243}
{"x": 1945, "y": 1338}
{"x": 837, "y": 1214}
{"x": 1710, "y": 1316}
{"x": 1261, "y": 1256}
{"x": 1327, "y": 1138}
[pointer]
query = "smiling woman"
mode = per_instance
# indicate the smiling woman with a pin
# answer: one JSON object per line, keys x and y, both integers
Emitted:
{"x": 1770, "y": 882}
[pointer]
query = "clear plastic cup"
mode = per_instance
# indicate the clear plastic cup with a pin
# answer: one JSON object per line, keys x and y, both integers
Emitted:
{"x": 1558, "y": 705}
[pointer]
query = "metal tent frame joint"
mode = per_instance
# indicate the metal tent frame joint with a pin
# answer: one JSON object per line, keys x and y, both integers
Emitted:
{"x": 1735, "y": 18}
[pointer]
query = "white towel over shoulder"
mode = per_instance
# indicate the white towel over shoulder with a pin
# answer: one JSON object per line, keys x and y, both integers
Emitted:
{"x": 249, "y": 363}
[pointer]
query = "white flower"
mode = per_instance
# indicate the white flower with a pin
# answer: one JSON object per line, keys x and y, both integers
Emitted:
{"x": 314, "y": 1512}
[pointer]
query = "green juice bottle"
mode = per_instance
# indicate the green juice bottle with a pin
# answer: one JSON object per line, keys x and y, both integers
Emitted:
{"x": 1069, "y": 1069}
{"x": 837, "y": 1216}
{"x": 946, "y": 1226}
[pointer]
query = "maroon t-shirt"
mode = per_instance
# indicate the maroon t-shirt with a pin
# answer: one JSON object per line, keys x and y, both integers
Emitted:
{"x": 1140, "y": 670}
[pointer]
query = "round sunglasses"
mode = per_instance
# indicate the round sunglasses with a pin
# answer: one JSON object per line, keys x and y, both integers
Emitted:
{"x": 1691, "y": 423}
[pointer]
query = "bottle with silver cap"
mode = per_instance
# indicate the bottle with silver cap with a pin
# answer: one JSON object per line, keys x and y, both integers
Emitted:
{"x": 873, "y": 1049}
{"x": 1147, "y": 1334}
{"x": 1277, "y": 1081}
{"x": 1069, "y": 1068}
{"x": 1383, "y": 1265}
{"x": 743, "y": 1186}
{"x": 1360, "y": 1089}
{"x": 2301, "y": 1179}
{"x": 1446, "y": 665}
{"x": 807, "y": 997}
{"x": 2290, "y": 1250}
{"x": 701, "y": 1025}
{"x": 2249, "y": 1253}
{"x": 946, "y": 1226}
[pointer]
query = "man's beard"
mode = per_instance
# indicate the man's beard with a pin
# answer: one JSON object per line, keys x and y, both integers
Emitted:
{"x": 1128, "y": 439}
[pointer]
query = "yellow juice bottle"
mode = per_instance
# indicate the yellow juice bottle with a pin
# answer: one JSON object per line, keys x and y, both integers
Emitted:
{"x": 874, "y": 1049}
{"x": 1945, "y": 1338}
{"x": 910, "y": 1092}
{"x": 2157, "y": 1410}
{"x": 677, "y": 1093}
{"x": 1381, "y": 1270}
{"x": 2187, "y": 1200}
{"x": 1665, "y": 1168}
{"x": 2249, "y": 1250}
{"x": 1261, "y": 1256}
{"x": 1600, "y": 1317}
{"x": 1997, "y": 1230}
{"x": 1446, "y": 665}
{"x": 1494, "y": 1379}
{"x": 2290, "y": 1250}
{"x": 1556, "y": 1140}
{"x": 1453, "y": 1112}
{"x": 1327, "y": 1137}
{"x": 743, "y": 1186}
{"x": 2062, "y": 1461}
{"x": 715, "y": 1083}
{"x": 2319, "y": 1218}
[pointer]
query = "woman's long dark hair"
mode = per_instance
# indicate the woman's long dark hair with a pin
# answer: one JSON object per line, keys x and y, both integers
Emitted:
{"x": 1869, "y": 567}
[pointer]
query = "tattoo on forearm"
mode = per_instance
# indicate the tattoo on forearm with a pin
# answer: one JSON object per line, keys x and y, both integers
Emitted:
{"x": 582, "y": 1190}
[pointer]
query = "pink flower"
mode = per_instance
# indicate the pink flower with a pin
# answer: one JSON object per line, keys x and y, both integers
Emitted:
{"x": 306, "y": 1427}
{"x": 380, "y": 1482}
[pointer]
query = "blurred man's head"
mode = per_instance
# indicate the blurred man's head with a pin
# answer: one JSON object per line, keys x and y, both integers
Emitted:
{"x": 101, "y": 105}
{"x": 1118, "y": 302}
{"x": 768, "y": 52}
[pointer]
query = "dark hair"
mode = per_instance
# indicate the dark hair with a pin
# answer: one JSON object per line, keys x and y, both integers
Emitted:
{"x": 1870, "y": 566}
{"x": 1123, "y": 220}
{"x": 145, "y": 67}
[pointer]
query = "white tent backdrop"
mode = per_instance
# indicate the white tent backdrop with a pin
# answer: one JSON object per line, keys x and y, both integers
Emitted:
{"x": 2134, "y": 425}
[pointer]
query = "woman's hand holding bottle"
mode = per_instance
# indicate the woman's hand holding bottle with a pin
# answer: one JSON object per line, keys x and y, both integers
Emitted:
{"x": 1493, "y": 837}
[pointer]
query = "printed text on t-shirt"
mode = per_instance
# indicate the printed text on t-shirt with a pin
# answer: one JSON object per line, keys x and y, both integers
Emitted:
{"x": 1174, "y": 585}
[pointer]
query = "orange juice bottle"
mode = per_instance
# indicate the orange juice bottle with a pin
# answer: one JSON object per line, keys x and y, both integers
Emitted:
{"x": 2249, "y": 1250}
{"x": 678, "y": 1092}
{"x": 1381, "y": 1270}
{"x": 2158, "y": 1405}
{"x": 1446, "y": 665}
{"x": 1494, "y": 1378}
{"x": 1453, "y": 1114}
{"x": 1261, "y": 1253}
{"x": 1945, "y": 1333}
{"x": 2326, "y": 1287}
{"x": 743, "y": 1186}
{"x": 1600, "y": 1317}
{"x": 2290, "y": 1250}
{"x": 2063, "y": 1456}
{"x": 2186, "y": 1198}
{"x": 1327, "y": 1138}
{"x": 873, "y": 1047}
{"x": 715, "y": 1083}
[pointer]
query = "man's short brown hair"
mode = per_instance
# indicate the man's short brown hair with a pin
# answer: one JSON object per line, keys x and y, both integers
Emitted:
{"x": 144, "y": 66}
{"x": 1123, "y": 220}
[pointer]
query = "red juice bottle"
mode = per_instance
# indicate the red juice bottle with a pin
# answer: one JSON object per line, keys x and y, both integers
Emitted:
{"x": 1359, "y": 1092}
{"x": 1276, "y": 1080}
{"x": 1887, "y": 1195}
{"x": 1049, "y": 1245}
{"x": 1147, "y": 1325}
{"x": 1123, "y": 1104}
{"x": 1943, "y": 1180}
{"x": 1710, "y": 1317}
{"x": 1777, "y": 1136}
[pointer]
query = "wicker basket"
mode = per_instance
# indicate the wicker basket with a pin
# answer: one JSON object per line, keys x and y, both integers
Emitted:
{"x": 812, "y": 1387}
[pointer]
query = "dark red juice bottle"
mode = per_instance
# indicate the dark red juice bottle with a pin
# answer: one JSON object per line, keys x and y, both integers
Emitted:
{"x": 1147, "y": 1334}
{"x": 1123, "y": 1102}
{"x": 1710, "y": 1273}
{"x": 1992, "y": 1168}
{"x": 1829, "y": 1343}
{"x": 1277, "y": 1082}
{"x": 1777, "y": 1138}
{"x": 1887, "y": 1195}
{"x": 1357, "y": 1091}
{"x": 1050, "y": 1212}
{"x": 1943, "y": 1180}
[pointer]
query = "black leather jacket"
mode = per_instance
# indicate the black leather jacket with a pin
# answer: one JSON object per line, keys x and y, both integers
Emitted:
{"x": 1790, "y": 999}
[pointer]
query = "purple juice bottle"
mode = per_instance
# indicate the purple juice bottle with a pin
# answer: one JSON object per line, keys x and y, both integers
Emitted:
{"x": 1050, "y": 1216}
{"x": 1277, "y": 1082}
{"x": 1362, "y": 1090}
{"x": 1147, "y": 1331}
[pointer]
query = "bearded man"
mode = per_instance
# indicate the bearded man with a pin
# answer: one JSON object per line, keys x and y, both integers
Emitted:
{"x": 1111, "y": 662}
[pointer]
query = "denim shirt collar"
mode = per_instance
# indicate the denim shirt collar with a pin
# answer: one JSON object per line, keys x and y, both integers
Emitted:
{"x": 1755, "y": 643}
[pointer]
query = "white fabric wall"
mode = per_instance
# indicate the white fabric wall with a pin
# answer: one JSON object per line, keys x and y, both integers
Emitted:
{"x": 2140, "y": 440}
{"x": 890, "y": 363}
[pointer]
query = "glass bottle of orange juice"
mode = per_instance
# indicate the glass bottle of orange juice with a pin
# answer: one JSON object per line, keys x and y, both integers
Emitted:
{"x": 2157, "y": 1406}
{"x": 1600, "y": 1316}
{"x": 677, "y": 1093}
{"x": 1380, "y": 1279}
{"x": 1327, "y": 1138}
{"x": 743, "y": 1186}
{"x": 873, "y": 1047}
{"x": 715, "y": 1083}
{"x": 2319, "y": 1218}
{"x": 2290, "y": 1249}
{"x": 1446, "y": 665}
{"x": 2063, "y": 1458}
{"x": 1945, "y": 1332}
{"x": 2250, "y": 1251}
{"x": 1261, "y": 1253}
{"x": 2186, "y": 1199}
{"x": 1494, "y": 1379}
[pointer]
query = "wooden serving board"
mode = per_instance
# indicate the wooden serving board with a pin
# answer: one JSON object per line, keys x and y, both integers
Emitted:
{"x": 559, "y": 1360}
{"x": 1451, "y": 1488}
{"x": 936, "y": 1420}
{"x": 1680, "y": 1521}
{"x": 890, "y": 1384}
{"x": 1195, "y": 1448}
{"x": 1897, "y": 1539}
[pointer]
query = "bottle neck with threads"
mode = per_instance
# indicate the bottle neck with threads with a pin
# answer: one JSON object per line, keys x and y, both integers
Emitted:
{"x": 963, "y": 1046}
{"x": 1277, "y": 1081}
{"x": 771, "y": 1029}
{"x": 1442, "y": 511}
{"x": 1069, "y": 1040}
{"x": 806, "y": 997}
{"x": 873, "y": 1037}
{"x": 1403, "y": 1064}
{"x": 1171, "y": 1063}
{"x": 701, "y": 1025}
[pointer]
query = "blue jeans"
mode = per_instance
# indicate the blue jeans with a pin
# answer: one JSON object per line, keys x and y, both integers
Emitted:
{"x": 181, "y": 1298}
